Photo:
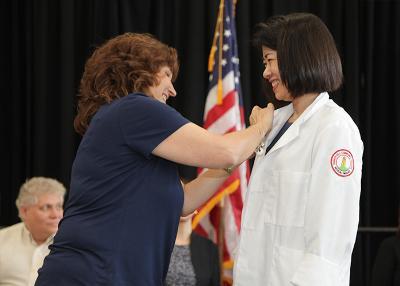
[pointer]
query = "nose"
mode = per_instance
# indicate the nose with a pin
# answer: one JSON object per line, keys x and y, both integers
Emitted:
{"x": 267, "y": 72}
{"x": 172, "y": 91}
{"x": 56, "y": 213}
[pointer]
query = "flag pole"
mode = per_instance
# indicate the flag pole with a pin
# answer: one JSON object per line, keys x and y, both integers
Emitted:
{"x": 220, "y": 92}
{"x": 221, "y": 227}
{"x": 221, "y": 239}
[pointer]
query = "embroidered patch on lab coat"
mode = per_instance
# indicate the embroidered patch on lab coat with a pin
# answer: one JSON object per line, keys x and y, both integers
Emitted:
{"x": 342, "y": 163}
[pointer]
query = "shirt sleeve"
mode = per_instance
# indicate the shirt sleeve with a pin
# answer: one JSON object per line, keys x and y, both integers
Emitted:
{"x": 146, "y": 122}
{"x": 332, "y": 209}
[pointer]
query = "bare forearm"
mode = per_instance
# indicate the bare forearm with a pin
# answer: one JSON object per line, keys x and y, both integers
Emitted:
{"x": 243, "y": 143}
{"x": 202, "y": 188}
{"x": 194, "y": 146}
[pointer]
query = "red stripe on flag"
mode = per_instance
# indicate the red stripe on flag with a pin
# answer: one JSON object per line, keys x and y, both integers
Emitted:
{"x": 242, "y": 119}
{"x": 237, "y": 204}
{"x": 231, "y": 129}
{"x": 201, "y": 231}
{"x": 218, "y": 110}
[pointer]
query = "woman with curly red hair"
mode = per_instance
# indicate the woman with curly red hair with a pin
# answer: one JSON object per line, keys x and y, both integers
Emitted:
{"x": 125, "y": 196}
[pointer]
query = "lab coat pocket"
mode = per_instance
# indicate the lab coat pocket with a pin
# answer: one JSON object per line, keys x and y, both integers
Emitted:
{"x": 290, "y": 199}
{"x": 284, "y": 265}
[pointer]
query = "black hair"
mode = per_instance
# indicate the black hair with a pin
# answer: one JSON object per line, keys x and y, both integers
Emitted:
{"x": 308, "y": 60}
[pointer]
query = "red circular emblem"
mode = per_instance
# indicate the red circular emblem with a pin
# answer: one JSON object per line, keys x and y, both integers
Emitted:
{"x": 342, "y": 163}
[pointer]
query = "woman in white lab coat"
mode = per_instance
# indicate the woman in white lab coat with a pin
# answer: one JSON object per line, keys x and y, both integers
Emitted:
{"x": 300, "y": 215}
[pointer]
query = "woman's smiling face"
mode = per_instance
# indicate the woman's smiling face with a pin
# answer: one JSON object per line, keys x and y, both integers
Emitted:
{"x": 272, "y": 75}
{"x": 165, "y": 88}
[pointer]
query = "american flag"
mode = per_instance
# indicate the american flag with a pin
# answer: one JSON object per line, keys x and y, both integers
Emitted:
{"x": 219, "y": 218}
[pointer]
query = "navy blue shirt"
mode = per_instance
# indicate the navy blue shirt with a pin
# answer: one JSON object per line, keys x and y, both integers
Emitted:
{"x": 124, "y": 205}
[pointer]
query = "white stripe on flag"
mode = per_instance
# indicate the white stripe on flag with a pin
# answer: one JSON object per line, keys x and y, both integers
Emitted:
{"x": 207, "y": 226}
{"x": 228, "y": 84}
{"x": 225, "y": 122}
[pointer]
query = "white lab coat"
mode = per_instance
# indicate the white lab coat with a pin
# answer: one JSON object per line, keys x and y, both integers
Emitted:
{"x": 300, "y": 215}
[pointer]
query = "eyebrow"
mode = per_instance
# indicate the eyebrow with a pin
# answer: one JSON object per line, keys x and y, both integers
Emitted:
{"x": 50, "y": 204}
{"x": 268, "y": 54}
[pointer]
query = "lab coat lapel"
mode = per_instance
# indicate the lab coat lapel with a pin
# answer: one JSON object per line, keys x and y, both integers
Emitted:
{"x": 281, "y": 115}
{"x": 293, "y": 130}
{"x": 287, "y": 137}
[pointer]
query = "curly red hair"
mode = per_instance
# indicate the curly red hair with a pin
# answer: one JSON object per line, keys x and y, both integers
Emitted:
{"x": 125, "y": 64}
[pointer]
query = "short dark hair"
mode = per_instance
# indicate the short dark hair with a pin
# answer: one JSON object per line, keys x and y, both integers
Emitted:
{"x": 307, "y": 56}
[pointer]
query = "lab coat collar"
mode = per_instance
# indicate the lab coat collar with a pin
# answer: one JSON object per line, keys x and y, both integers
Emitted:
{"x": 283, "y": 114}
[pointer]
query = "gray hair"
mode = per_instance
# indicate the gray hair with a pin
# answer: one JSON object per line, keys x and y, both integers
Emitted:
{"x": 32, "y": 188}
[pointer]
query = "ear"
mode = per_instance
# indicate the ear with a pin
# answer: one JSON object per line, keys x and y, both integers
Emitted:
{"x": 22, "y": 212}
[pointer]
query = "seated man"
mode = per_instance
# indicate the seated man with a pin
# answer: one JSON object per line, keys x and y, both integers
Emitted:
{"x": 23, "y": 246}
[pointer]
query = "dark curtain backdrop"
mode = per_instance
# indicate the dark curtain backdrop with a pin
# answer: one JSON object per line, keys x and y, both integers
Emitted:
{"x": 45, "y": 45}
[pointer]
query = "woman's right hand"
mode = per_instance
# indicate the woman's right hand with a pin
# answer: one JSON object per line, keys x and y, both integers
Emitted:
{"x": 262, "y": 116}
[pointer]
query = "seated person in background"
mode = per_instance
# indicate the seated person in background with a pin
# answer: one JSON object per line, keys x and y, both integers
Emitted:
{"x": 194, "y": 259}
{"x": 386, "y": 270}
{"x": 24, "y": 245}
